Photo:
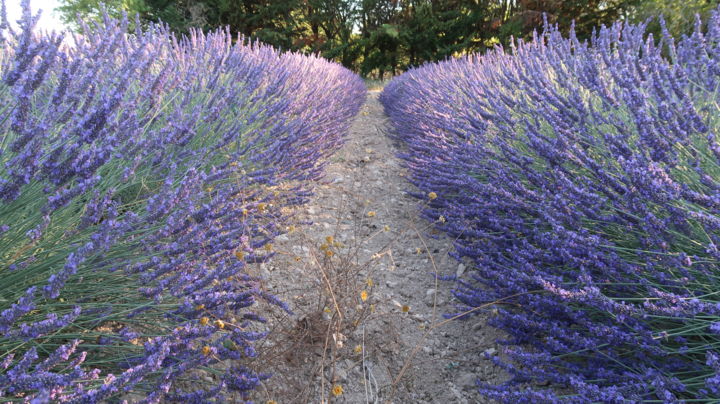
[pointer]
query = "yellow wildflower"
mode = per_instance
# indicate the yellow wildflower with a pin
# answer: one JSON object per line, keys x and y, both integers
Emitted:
{"x": 358, "y": 349}
{"x": 268, "y": 247}
{"x": 330, "y": 239}
{"x": 206, "y": 350}
{"x": 337, "y": 390}
{"x": 233, "y": 164}
{"x": 442, "y": 219}
{"x": 219, "y": 324}
{"x": 326, "y": 310}
{"x": 329, "y": 253}
{"x": 371, "y": 213}
{"x": 432, "y": 195}
{"x": 204, "y": 320}
{"x": 199, "y": 307}
{"x": 418, "y": 250}
{"x": 239, "y": 254}
{"x": 209, "y": 189}
{"x": 370, "y": 282}
{"x": 261, "y": 206}
{"x": 245, "y": 212}
{"x": 364, "y": 295}
{"x": 386, "y": 228}
{"x": 405, "y": 308}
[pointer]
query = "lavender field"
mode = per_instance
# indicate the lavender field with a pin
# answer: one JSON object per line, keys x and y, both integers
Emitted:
{"x": 581, "y": 180}
{"x": 139, "y": 175}
{"x": 204, "y": 218}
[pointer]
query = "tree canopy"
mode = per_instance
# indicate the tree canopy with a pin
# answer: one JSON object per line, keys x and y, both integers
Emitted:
{"x": 375, "y": 37}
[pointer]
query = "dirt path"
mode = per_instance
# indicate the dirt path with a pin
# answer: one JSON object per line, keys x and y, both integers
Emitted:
{"x": 385, "y": 348}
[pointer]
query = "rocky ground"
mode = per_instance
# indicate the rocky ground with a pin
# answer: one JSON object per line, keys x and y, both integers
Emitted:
{"x": 368, "y": 323}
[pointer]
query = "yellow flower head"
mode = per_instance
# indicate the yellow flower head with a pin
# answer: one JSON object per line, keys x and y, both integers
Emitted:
{"x": 324, "y": 246}
{"x": 442, "y": 219}
{"x": 233, "y": 164}
{"x": 206, "y": 350}
{"x": 405, "y": 308}
{"x": 358, "y": 349}
{"x": 330, "y": 239}
{"x": 204, "y": 320}
{"x": 432, "y": 195}
{"x": 245, "y": 212}
{"x": 199, "y": 307}
{"x": 219, "y": 324}
{"x": 261, "y": 206}
{"x": 364, "y": 295}
{"x": 371, "y": 213}
{"x": 268, "y": 247}
{"x": 271, "y": 402}
{"x": 386, "y": 228}
{"x": 329, "y": 253}
{"x": 337, "y": 390}
{"x": 370, "y": 282}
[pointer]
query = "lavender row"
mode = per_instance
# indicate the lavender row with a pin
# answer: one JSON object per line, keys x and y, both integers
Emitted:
{"x": 582, "y": 180}
{"x": 139, "y": 175}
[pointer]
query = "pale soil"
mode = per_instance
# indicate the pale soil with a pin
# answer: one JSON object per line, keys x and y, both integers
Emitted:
{"x": 441, "y": 363}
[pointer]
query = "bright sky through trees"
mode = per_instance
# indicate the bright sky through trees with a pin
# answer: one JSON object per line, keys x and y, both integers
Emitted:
{"x": 49, "y": 20}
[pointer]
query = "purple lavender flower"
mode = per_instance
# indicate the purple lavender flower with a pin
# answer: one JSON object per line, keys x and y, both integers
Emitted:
{"x": 560, "y": 172}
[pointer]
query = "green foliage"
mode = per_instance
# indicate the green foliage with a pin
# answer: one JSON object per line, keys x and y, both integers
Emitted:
{"x": 92, "y": 9}
{"x": 679, "y": 16}
{"x": 376, "y": 37}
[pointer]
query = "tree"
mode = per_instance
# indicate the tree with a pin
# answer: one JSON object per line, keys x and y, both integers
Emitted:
{"x": 376, "y": 37}
{"x": 679, "y": 16}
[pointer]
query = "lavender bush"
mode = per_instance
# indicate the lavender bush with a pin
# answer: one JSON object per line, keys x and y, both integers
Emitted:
{"x": 583, "y": 182}
{"x": 139, "y": 174}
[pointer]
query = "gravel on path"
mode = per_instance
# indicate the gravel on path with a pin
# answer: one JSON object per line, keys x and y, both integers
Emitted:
{"x": 366, "y": 303}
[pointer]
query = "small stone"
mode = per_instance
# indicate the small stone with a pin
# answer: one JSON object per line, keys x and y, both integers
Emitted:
{"x": 460, "y": 269}
{"x": 301, "y": 250}
{"x": 467, "y": 381}
{"x": 338, "y": 180}
{"x": 311, "y": 210}
{"x": 490, "y": 351}
{"x": 430, "y": 296}
{"x": 428, "y": 350}
{"x": 282, "y": 237}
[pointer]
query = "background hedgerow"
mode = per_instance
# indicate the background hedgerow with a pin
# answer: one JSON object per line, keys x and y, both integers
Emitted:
{"x": 583, "y": 181}
{"x": 139, "y": 173}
